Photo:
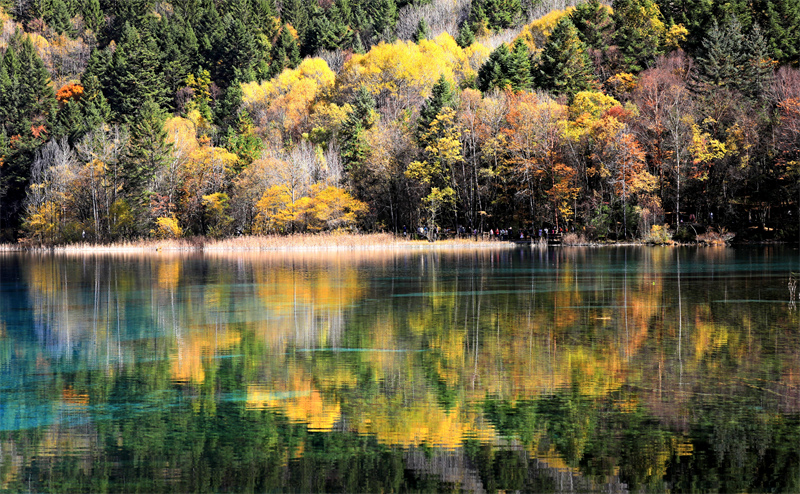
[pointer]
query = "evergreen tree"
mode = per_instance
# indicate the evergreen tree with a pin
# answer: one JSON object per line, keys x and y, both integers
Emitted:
{"x": 384, "y": 16}
{"x": 442, "y": 95}
{"x": 264, "y": 15}
{"x": 564, "y": 66}
{"x": 329, "y": 33}
{"x": 639, "y": 32}
{"x": 147, "y": 150}
{"x": 59, "y": 18}
{"x": 593, "y": 23}
{"x": 27, "y": 111}
{"x": 358, "y": 45}
{"x": 295, "y": 13}
{"x": 780, "y": 22}
{"x": 506, "y": 69}
{"x": 760, "y": 65}
{"x": 422, "y": 32}
{"x": 239, "y": 52}
{"x": 495, "y": 14}
{"x": 354, "y": 145}
{"x": 722, "y": 60}
{"x": 285, "y": 53}
{"x": 134, "y": 75}
{"x": 465, "y": 36}
{"x": 93, "y": 16}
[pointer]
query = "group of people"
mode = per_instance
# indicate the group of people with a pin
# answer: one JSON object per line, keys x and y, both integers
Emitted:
{"x": 499, "y": 234}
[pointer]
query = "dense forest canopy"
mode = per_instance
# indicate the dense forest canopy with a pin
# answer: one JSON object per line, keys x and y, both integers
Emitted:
{"x": 135, "y": 118}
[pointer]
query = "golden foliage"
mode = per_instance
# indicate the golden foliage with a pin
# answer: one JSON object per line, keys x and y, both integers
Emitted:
{"x": 167, "y": 227}
{"x": 536, "y": 33}
{"x": 287, "y": 99}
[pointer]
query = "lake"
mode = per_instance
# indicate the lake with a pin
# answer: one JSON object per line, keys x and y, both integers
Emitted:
{"x": 560, "y": 370}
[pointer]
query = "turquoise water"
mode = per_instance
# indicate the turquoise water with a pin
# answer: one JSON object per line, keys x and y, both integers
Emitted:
{"x": 575, "y": 369}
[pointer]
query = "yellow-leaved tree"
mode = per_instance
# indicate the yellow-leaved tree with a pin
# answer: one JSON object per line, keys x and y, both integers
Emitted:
{"x": 283, "y": 104}
{"x": 402, "y": 74}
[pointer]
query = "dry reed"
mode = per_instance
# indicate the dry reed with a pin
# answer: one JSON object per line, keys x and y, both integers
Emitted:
{"x": 300, "y": 242}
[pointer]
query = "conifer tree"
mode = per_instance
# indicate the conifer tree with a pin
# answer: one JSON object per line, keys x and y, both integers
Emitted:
{"x": 295, "y": 13}
{"x": 639, "y": 32}
{"x": 360, "y": 119}
{"x": 93, "y": 15}
{"x": 564, "y": 66}
{"x": 422, "y": 32}
{"x": 593, "y": 23}
{"x": 59, "y": 18}
{"x": 27, "y": 111}
{"x": 465, "y": 36}
{"x": 722, "y": 59}
{"x": 147, "y": 150}
{"x": 442, "y": 96}
{"x": 285, "y": 53}
{"x": 780, "y": 22}
{"x": 134, "y": 74}
{"x": 384, "y": 15}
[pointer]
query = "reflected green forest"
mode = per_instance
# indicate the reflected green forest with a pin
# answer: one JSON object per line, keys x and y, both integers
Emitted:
{"x": 560, "y": 370}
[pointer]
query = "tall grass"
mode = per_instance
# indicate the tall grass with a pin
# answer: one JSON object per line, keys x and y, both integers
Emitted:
{"x": 300, "y": 242}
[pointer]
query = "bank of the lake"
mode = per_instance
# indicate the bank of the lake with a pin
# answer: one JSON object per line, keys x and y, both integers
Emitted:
{"x": 299, "y": 242}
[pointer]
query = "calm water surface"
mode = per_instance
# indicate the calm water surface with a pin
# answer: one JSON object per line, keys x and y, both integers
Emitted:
{"x": 569, "y": 370}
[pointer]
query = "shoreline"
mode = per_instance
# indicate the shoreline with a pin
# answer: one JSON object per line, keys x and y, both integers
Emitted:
{"x": 270, "y": 243}
{"x": 320, "y": 242}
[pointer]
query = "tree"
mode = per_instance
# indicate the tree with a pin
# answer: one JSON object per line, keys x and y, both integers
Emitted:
{"x": 27, "y": 109}
{"x": 132, "y": 76}
{"x": 594, "y": 24}
{"x": 564, "y": 66}
{"x": 443, "y": 152}
{"x": 465, "y": 36}
{"x": 639, "y": 32}
{"x": 506, "y": 69}
{"x": 442, "y": 96}
{"x": 354, "y": 146}
{"x": 422, "y": 32}
{"x": 147, "y": 151}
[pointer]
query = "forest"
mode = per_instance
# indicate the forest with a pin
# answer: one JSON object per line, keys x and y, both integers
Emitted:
{"x": 130, "y": 119}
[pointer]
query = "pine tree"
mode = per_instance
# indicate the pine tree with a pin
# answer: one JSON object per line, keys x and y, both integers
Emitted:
{"x": 384, "y": 16}
{"x": 285, "y": 53}
{"x": 59, "y": 18}
{"x": 760, "y": 65}
{"x": 465, "y": 36}
{"x": 133, "y": 75}
{"x": 495, "y": 71}
{"x": 442, "y": 96}
{"x": 722, "y": 59}
{"x": 495, "y": 15}
{"x": 564, "y": 66}
{"x": 422, "y": 32}
{"x": 295, "y": 13}
{"x": 639, "y": 32}
{"x": 780, "y": 22}
{"x": 593, "y": 23}
{"x": 361, "y": 119}
{"x": 93, "y": 16}
{"x": 27, "y": 111}
{"x": 147, "y": 150}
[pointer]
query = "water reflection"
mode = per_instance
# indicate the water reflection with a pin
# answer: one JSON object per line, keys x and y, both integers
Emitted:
{"x": 581, "y": 368}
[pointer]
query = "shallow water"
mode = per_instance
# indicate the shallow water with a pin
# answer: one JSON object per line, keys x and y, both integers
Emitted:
{"x": 575, "y": 369}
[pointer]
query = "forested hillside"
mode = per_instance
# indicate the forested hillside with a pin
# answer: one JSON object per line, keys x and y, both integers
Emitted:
{"x": 141, "y": 118}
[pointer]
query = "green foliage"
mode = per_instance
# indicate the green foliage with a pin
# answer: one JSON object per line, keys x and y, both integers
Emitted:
{"x": 442, "y": 96}
{"x": 639, "y": 33}
{"x": 495, "y": 14}
{"x": 506, "y": 69}
{"x": 594, "y": 24}
{"x": 564, "y": 66}
{"x": 465, "y": 36}
{"x": 422, "y": 32}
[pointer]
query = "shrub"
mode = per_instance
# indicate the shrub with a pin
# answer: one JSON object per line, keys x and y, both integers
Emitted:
{"x": 167, "y": 227}
{"x": 659, "y": 235}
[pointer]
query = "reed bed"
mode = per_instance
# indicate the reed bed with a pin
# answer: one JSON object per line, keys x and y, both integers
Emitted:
{"x": 299, "y": 242}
